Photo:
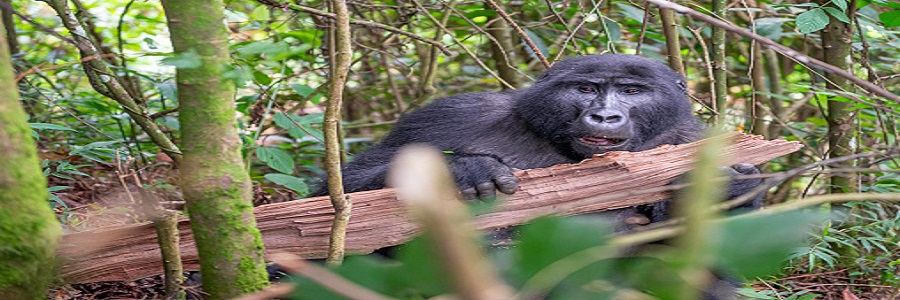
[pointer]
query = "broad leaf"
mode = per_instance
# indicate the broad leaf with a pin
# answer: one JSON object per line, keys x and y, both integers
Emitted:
{"x": 841, "y": 16}
{"x": 890, "y": 18}
{"x": 47, "y": 126}
{"x": 288, "y": 181}
{"x": 811, "y": 21}
{"x": 276, "y": 159}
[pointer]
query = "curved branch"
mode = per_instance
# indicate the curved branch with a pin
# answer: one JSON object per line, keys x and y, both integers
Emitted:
{"x": 313, "y": 11}
{"x": 803, "y": 58}
{"x": 518, "y": 29}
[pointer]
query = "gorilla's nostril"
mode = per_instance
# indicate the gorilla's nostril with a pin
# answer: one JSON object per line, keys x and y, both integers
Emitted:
{"x": 606, "y": 118}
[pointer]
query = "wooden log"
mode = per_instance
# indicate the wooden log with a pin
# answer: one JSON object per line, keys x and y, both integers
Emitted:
{"x": 608, "y": 181}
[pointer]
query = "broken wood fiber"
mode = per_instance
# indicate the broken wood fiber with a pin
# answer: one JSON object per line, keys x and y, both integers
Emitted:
{"x": 608, "y": 181}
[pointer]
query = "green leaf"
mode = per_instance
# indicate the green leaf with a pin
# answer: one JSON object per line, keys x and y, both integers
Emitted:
{"x": 276, "y": 159}
{"x": 767, "y": 254}
{"x": 302, "y": 89}
{"x": 288, "y": 181}
{"x": 614, "y": 30}
{"x": 261, "y": 13}
{"x": 538, "y": 42}
{"x": 811, "y": 21}
{"x": 261, "y": 78}
{"x": 186, "y": 60}
{"x": 546, "y": 240}
{"x": 291, "y": 122}
{"x": 887, "y": 3}
{"x": 57, "y": 188}
{"x": 841, "y": 16}
{"x": 96, "y": 151}
{"x": 47, "y": 126}
{"x": 842, "y": 4}
{"x": 890, "y": 18}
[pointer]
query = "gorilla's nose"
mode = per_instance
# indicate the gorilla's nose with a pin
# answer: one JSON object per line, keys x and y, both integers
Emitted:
{"x": 605, "y": 119}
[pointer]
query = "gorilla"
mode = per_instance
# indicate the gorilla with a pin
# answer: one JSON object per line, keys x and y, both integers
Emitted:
{"x": 579, "y": 107}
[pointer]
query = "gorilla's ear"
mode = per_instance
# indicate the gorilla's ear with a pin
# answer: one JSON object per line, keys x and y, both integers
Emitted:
{"x": 683, "y": 85}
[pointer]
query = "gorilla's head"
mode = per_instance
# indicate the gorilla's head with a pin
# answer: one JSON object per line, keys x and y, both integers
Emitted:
{"x": 598, "y": 103}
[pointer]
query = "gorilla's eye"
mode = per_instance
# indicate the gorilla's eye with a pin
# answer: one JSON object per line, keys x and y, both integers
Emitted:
{"x": 587, "y": 89}
{"x": 630, "y": 91}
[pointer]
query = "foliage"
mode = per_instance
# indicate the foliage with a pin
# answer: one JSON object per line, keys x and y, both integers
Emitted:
{"x": 281, "y": 62}
{"x": 583, "y": 245}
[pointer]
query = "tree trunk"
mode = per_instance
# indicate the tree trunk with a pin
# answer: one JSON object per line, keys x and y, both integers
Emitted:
{"x": 836, "y": 45}
{"x": 28, "y": 229}
{"x": 502, "y": 51}
{"x": 717, "y": 51}
{"x": 213, "y": 179}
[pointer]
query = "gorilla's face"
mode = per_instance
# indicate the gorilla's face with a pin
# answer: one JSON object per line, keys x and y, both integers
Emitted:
{"x": 594, "y": 104}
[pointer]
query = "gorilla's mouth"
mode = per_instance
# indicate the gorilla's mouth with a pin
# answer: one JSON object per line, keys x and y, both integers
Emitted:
{"x": 601, "y": 141}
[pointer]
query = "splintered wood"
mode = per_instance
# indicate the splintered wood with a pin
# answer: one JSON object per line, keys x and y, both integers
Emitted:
{"x": 608, "y": 181}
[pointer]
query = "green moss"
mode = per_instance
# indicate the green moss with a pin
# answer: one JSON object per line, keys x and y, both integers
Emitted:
{"x": 28, "y": 228}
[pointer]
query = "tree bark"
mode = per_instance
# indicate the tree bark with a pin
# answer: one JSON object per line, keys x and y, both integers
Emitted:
{"x": 614, "y": 180}
{"x": 215, "y": 184}
{"x": 836, "y": 48}
{"x": 673, "y": 45}
{"x": 502, "y": 51}
{"x": 340, "y": 67}
{"x": 717, "y": 51}
{"x": 28, "y": 229}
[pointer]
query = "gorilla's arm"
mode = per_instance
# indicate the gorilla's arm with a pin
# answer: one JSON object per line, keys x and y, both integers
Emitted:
{"x": 450, "y": 124}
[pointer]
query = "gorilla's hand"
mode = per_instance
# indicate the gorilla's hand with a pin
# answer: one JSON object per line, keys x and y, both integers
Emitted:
{"x": 738, "y": 187}
{"x": 480, "y": 176}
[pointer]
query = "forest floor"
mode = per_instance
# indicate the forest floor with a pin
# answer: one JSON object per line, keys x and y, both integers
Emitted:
{"x": 103, "y": 199}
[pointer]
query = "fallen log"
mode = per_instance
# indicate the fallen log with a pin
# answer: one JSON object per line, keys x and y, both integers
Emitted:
{"x": 608, "y": 181}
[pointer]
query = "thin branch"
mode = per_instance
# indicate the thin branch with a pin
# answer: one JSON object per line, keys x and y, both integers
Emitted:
{"x": 325, "y": 278}
{"x": 340, "y": 68}
{"x": 800, "y": 57}
{"x": 43, "y": 28}
{"x": 518, "y": 29}
{"x": 331, "y": 16}
{"x": 108, "y": 84}
{"x": 566, "y": 25}
{"x": 470, "y": 54}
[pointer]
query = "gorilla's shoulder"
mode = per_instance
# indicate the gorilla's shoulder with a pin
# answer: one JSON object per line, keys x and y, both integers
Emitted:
{"x": 464, "y": 107}
{"x": 480, "y": 100}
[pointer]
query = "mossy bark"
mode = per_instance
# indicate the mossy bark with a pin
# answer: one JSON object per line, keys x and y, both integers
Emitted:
{"x": 836, "y": 49}
{"x": 213, "y": 179}
{"x": 719, "y": 69}
{"x": 28, "y": 230}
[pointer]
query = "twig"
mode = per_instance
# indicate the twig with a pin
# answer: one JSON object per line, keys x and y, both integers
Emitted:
{"x": 800, "y": 57}
{"x": 107, "y": 83}
{"x": 566, "y": 25}
{"x": 673, "y": 47}
{"x": 332, "y": 16}
{"x": 522, "y": 34}
{"x": 637, "y": 50}
{"x": 341, "y": 67}
{"x": 469, "y": 53}
{"x": 324, "y": 277}
{"x": 425, "y": 185}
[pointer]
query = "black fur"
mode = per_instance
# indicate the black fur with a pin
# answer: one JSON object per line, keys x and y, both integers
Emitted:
{"x": 581, "y": 106}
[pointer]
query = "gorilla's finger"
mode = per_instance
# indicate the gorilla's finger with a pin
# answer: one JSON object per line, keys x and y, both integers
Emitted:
{"x": 486, "y": 190}
{"x": 745, "y": 168}
{"x": 469, "y": 194}
{"x": 507, "y": 184}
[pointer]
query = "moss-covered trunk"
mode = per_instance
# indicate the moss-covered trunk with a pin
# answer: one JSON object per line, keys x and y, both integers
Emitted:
{"x": 28, "y": 229}
{"x": 836, "y": 45}
{"x": 213, "y": 179}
